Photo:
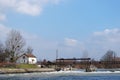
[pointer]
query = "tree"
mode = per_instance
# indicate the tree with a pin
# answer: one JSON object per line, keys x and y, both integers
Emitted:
{"x": 14, "y": 44}
{"x": 29, "y": 50}
{"x": 109, "y": 56}
{"x": 109, "y": 59}
{"x": 2, "y": 55}
{"x": 1, "y": 48}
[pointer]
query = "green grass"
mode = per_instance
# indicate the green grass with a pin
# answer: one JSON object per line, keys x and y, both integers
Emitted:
{"x": 25, "y": 66}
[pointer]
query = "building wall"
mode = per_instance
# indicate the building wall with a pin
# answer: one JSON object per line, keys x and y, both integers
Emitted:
{"x": 26, "y": 60}
{"x": 22, "y": 59}
{"x": 32, "y": 60}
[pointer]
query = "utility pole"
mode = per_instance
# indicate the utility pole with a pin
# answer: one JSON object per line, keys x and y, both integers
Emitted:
{"x": 56, "y": 58}
{"x": 114, "y": 60}
{"x": 56, "y": 53}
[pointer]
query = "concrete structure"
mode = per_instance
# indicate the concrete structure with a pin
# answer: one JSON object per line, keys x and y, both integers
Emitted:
{"x": 27, "y": 59}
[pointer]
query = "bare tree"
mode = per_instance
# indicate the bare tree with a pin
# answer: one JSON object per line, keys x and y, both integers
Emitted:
{"x": 109, "y": 59}
{"x": 2, "y": 55}
{"x": 14, "y": 44}
{"x": 29, "y": 50}
{"x": 109, "y": 56}
{"x": 1, "y": 47}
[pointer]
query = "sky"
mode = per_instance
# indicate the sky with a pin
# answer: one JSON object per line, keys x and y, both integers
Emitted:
{"x": 76, "y": 28}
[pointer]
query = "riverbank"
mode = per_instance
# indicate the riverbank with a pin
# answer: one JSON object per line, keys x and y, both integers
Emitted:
{"x": 12, "y": 71}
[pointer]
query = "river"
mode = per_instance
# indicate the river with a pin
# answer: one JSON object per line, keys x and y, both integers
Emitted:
{"x": 63, "y": 75}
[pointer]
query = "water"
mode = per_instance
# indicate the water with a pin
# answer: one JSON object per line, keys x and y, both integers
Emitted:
{"x": 67, "y": 75}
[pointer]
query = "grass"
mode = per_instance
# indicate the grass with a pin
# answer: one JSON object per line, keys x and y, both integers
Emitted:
{"x": 26, "y": 66}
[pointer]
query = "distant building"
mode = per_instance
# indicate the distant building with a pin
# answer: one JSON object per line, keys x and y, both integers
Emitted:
{"x": 27, "y": 59}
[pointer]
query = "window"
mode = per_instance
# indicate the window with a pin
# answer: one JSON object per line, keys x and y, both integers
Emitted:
{"x": 23, "y": 57}
{"x": 33, "y": 60}
{"x": 24, "y": 61}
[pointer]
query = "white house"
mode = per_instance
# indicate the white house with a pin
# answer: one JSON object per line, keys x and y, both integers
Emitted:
{"x": 27, "y": 59}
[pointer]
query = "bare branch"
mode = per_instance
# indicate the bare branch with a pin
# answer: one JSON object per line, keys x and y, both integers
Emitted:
{"x": 14, "y": 44}
{"x": 29, "y": 50}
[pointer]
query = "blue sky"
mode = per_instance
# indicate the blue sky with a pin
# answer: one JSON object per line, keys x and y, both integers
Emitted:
{"x": 77, "y": 28}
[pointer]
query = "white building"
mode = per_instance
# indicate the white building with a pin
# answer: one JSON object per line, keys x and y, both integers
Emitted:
{"x": 27, "y": 59}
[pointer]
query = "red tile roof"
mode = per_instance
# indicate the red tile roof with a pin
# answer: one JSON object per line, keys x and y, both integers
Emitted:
{"x": 30, "y": 55}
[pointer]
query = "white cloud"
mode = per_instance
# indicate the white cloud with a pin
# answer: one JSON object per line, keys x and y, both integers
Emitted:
{"x": 101, "y": 41}
{"x": 71, "y": 47}
{"x": 108, "y": 32}
{"x": 3, "y": 31}
{"x": 7, "y": 3}
{"x": 27, "y": 8}
{"x": 30, "y": 7}
{"x": 109, "y": 35}
{"x": 2, "y": 17}
{"x": 42, "y": 47}
{"x": 70, "y": 42}
{"x": 96, "y": 45}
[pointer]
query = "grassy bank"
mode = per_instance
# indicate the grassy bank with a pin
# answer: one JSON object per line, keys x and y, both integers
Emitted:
{"x": 26, "y": 66}
{"x": 22, "y": 68}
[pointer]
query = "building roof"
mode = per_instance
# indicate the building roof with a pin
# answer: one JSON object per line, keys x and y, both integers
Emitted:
{"x": 30, "y": 55}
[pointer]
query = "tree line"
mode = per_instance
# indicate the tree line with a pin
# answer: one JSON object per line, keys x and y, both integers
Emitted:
{"x": 13, "y": 47}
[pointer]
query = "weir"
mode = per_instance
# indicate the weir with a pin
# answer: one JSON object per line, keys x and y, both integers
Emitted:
{"x": 72, "y": 62}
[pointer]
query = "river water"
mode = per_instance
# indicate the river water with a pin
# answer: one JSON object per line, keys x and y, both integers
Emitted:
{"x": 63, "y": 75}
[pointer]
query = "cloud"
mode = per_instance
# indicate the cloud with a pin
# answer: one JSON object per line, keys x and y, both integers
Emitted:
{"x": 41, "y": 46}
{"x": 29, "y": 7}
{"x": 94, "y": 47}
{"x": 39, "y": 42}
{"x": 71, "y": 47}
{"x": 2, "y": 17}
{"x": 70, "y": 42}
{"x": 3, "y": 31}
{"x": 109, "y": 35}
{"x": 7, "y": 3}
{"x": 101, "y": 41}
{"x": 108, "y": 32}
{"x": 44, "y": 48}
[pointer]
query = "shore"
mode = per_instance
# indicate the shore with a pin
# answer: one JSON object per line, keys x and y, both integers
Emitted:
{"x": 12, "y": 71}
